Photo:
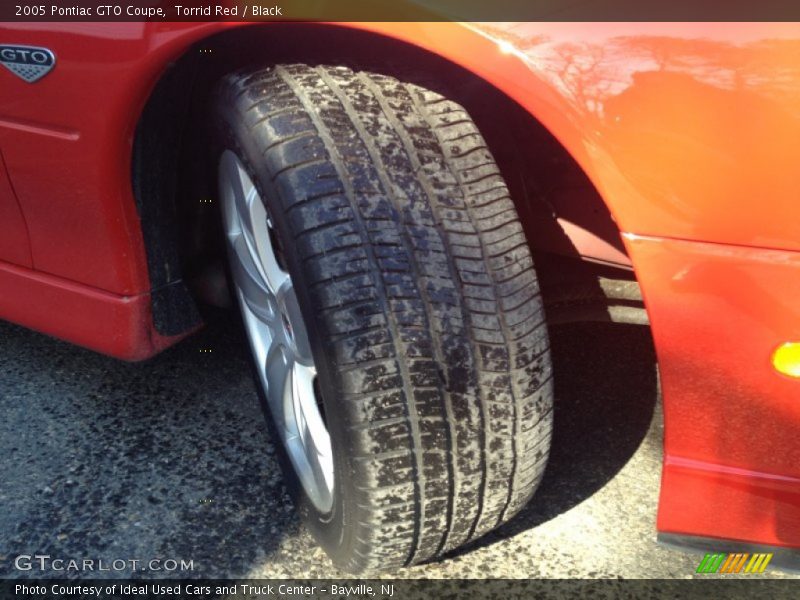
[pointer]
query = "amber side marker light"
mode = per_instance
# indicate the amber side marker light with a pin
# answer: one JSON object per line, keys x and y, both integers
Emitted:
{"x": 786, "y": 359}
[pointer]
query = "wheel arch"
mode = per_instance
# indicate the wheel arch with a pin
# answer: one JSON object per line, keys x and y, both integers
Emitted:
{"x": 173, "y": 182}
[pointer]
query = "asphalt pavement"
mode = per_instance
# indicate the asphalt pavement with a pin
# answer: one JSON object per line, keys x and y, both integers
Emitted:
{"x": 170, "y": 459}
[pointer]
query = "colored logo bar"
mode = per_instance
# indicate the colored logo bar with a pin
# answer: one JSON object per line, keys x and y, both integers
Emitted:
{"x": 734, "y": 563}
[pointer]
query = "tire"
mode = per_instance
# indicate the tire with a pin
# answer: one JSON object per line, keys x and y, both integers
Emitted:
{"x": 420, "y": 301}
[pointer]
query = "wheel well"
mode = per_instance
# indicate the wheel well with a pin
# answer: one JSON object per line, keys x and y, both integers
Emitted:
{"x": 174, "y": 171}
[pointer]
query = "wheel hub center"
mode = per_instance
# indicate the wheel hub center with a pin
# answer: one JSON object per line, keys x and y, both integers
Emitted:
{"x": 287, "y": 327}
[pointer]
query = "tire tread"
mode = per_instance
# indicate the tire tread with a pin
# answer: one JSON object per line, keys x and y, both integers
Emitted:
{"x": 426, "y": 293}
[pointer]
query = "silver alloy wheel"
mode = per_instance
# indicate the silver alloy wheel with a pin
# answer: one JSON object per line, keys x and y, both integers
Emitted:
{"x": 277, "y": 332}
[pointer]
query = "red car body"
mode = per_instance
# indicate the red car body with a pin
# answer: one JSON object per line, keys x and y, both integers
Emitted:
{"x": 689, "y": 132}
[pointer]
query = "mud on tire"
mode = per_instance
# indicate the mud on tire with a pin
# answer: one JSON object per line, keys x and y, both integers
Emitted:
{"x": 421, "y": 302}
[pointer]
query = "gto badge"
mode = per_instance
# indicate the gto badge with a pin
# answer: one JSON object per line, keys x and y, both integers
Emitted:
{"x": 28, "y": 62}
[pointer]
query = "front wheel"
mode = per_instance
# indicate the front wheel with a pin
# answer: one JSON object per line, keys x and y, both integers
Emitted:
{"x": 392, "y": 310}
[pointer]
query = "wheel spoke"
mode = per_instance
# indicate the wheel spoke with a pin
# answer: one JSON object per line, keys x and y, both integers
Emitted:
{"x": 254, "y": 219}
{"x": 261, "y": 336}
{"x": 279, "y": 388}
{"x": 313, "y": 430}
{"x": 255, "y": 292}
{"x": 274, "y": 275}
{"x": 287, "y": 299}
{"x": 248, "y": 217}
